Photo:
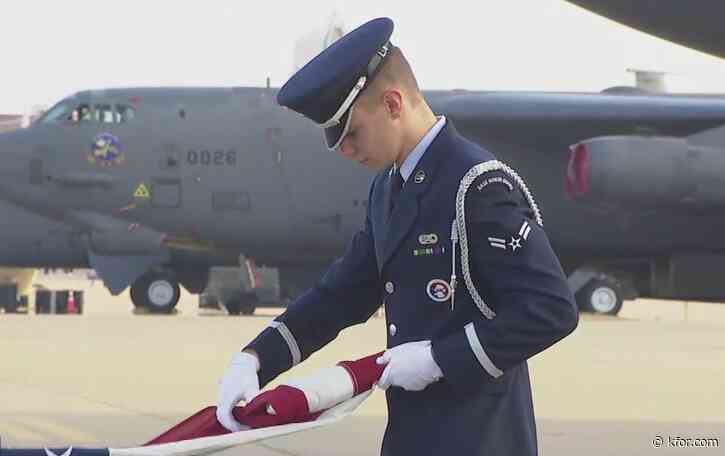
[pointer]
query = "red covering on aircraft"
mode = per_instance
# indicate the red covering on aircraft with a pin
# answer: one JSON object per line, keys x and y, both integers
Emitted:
{"x": 289, "y": 404}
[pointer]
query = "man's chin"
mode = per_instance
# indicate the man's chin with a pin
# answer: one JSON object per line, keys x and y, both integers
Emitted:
{"x": 368, "y": 164}
{"x": 372, "y": 165}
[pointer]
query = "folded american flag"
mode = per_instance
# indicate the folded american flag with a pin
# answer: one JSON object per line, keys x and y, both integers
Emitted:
{"x": 315, "y": 401}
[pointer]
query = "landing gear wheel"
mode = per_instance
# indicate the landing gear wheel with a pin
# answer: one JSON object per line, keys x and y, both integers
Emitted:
{"x": 601, "y": 296}
{"x": 157, "y": 292}
{"x": 249, "y": 304}
{"x": 137, "y": 295}
{"x": 241, "y": 303}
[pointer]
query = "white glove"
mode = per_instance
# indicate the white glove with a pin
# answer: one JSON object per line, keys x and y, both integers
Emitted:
{"x": 410, "y": 366}
{"x": 240, "y": 382}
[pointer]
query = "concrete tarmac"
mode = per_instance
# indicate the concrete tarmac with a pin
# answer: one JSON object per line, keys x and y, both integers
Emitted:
{"x": 112, "y": 378}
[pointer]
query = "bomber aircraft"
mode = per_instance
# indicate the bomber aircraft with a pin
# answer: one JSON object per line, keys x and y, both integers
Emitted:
{"x": 157, "y": 185}
{"x": 628, "y": 182}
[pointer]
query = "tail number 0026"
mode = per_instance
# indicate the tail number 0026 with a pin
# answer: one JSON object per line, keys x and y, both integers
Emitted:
{"x": 207, "y": 157}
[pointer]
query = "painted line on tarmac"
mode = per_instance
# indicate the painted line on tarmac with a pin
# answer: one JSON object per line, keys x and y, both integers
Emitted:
{"x": 54, "y": 431}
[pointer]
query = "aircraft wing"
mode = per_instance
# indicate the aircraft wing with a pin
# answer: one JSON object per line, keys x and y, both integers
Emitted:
{"x": 530, "y": 118}
{"x": 697, "y": 25}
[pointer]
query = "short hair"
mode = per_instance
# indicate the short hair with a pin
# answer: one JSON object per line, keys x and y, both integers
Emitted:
{"x": 394, "y": 72}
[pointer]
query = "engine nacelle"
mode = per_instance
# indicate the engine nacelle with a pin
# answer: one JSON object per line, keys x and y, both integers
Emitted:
{"x": 643, "y": 171}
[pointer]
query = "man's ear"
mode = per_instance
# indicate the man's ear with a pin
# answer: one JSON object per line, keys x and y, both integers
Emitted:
{"x": 393, "y": 102}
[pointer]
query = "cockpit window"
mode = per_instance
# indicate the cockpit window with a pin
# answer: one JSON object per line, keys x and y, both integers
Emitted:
{"x": 125, "y": 113}
{"x": 81, "y": 113}
{"x": 58, "y": 113}
{"x": 104, "y": 114}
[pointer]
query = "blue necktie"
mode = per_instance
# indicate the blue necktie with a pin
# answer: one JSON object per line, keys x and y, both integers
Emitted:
{"x": 396, "y": 184}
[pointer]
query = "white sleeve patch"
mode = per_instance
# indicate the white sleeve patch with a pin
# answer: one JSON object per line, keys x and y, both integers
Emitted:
{"x": 480, "y": 353}
{"x": 286, "y": 334}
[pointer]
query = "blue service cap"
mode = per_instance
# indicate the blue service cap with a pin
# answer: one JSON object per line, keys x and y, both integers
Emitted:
{"x": 327, "y": 86}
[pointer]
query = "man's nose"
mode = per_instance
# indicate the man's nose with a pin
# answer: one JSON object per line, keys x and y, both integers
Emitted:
{"x": 346, "y": 150}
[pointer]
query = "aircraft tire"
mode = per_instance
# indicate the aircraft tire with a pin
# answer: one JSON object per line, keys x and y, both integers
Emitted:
{"x": 241, "y": 303}
{"x": 136, "y": 295}
{"x": 157, "y": 292}
{"x": 249, "y": 304}
{"x": 234, "y": 304}
{"x": 601, "y": 296}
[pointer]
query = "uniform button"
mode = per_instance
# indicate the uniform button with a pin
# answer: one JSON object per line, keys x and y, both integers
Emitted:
{"x": 389, "y": 287}
{"x": 392, "y": 330}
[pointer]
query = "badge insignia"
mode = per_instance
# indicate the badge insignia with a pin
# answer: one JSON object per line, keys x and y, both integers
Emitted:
{"x": 516, "y": 242}
{"x": 525, "y": 230}
{"x": 419, "y": 177}
{"x": 106, "y": 150}
{"x": 428, "y": 239}
{"x": 438, "y": 290}
{"x": 497, "y": 243}
{"x": 495, "y": 180}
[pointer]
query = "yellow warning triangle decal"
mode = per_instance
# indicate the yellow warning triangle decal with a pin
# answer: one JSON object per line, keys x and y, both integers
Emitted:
{"x": 142, "y": 191}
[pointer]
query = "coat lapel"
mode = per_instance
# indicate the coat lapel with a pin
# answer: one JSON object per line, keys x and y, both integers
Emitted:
{"x": 405, "y": 213}
{"x": 378, "y": 214}
{"x": 388, "y": 193}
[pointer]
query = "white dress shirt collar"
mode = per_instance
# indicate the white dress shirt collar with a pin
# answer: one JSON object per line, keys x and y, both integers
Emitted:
{"x": 406, "y": 169}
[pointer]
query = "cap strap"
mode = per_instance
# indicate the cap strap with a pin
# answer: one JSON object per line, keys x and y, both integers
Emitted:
{"x": 335, "y": 119}
{"x": 372, "y": 68}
